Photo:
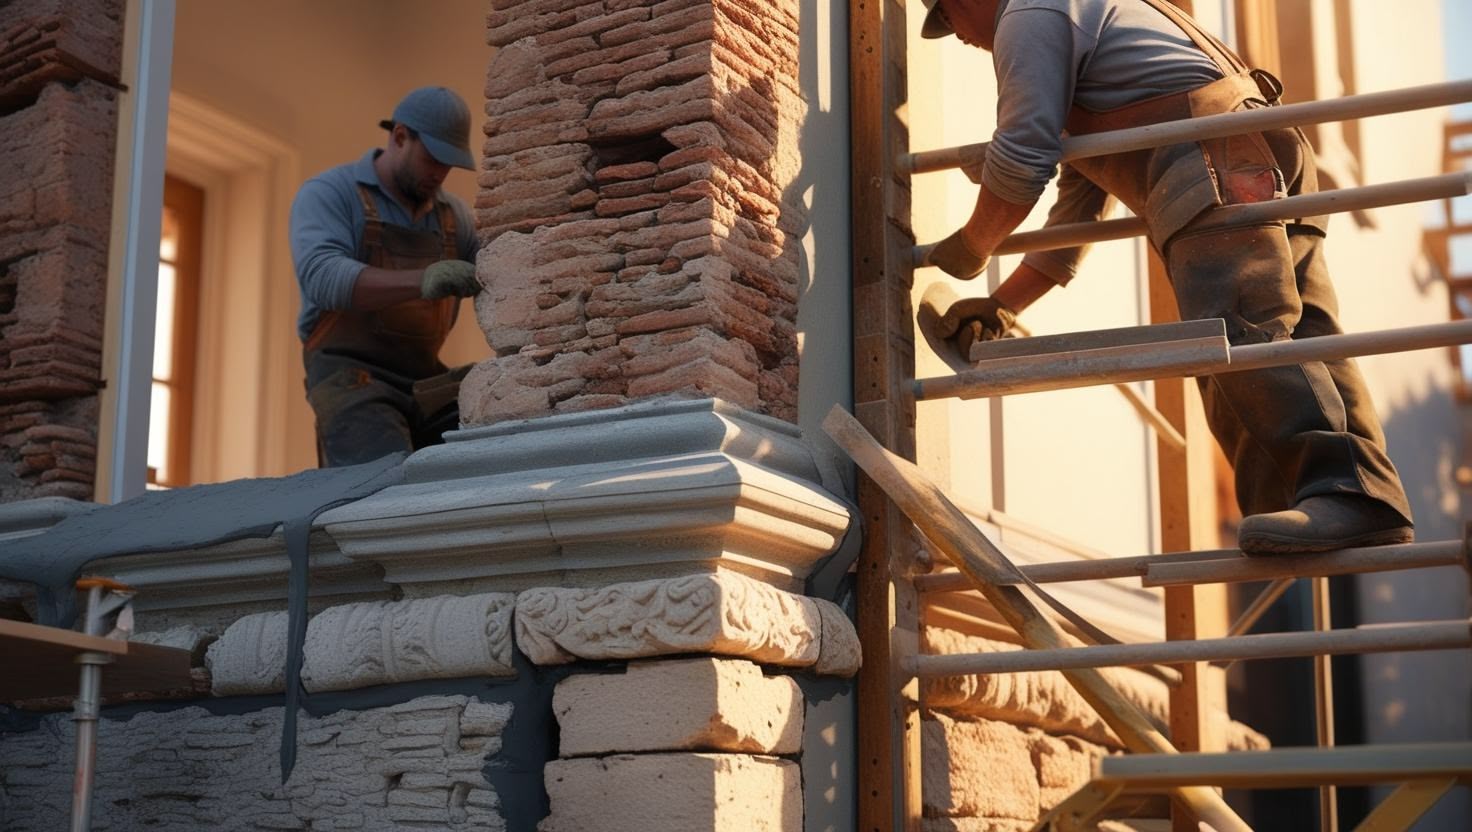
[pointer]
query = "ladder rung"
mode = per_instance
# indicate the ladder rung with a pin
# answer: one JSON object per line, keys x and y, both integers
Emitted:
{"x": 1386, "y": 638}
{"x": 1064, "y": 571}
{"x": 1291, "y": 768}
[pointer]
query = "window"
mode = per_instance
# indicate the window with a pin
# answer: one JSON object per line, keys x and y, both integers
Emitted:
{"x": 172, "y": 405}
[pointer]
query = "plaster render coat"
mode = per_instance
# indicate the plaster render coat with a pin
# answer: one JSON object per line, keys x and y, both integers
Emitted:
{"x": 701, "y": 704}
{"x": 418, "y": 764}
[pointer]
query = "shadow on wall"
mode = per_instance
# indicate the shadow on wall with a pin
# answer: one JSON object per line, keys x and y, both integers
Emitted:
{"x": 1422, "y": 436}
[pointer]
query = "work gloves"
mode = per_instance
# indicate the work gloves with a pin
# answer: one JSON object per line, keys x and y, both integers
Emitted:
{"x": 954, "y": 256}
{"x": 975, "y": 319}
{"x": 449, "y": 278}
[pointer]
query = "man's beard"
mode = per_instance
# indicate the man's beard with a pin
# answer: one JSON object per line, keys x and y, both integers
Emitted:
{"x": 415, "y": 189}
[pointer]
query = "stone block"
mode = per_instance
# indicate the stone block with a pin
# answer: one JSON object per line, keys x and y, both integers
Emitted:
{"x": 250, "y": 656}
{"x": 705, "y": 704}
{"x": 978, "y": 768}
{"x": 674, "y": 793}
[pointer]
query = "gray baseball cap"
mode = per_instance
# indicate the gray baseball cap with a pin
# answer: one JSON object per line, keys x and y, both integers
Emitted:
{"x": 935, "y": 25}
{"x": 442, "y": 121}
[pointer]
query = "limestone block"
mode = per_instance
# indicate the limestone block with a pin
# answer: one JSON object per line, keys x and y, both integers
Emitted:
{"x": 379, "y": 643}
{"x": 250, "y": 657}
{"x": 723, "y": 613}
{"x": 702, "y": 704}
{"x": 674, "y": 793}
{"x": 1063, "y": 765}
{"x": 978, "y": 768}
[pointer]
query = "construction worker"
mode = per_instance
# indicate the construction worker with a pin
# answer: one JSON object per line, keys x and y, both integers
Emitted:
{"x": 383, "y": 257}
{"x": 1307, "y": 448}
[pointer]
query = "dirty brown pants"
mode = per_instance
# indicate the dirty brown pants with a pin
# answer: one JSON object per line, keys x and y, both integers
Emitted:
{"x": 1290, "y": 432}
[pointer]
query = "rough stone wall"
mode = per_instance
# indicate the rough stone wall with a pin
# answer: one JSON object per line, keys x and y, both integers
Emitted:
{"x": 59, "y": 65}
{"x": 642, "y": 239}
{"x": 414, "y": 765}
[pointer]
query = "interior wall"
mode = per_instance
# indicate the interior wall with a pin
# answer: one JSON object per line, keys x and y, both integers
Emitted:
{"x": 315, "y": 77}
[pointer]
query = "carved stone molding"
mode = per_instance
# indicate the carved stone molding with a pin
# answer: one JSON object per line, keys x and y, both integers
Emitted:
{"x": 722, "y": 613}
{"x": 376, "y": 643}
{"x": 379, "y": 643}
{"x": 590, "y": 499}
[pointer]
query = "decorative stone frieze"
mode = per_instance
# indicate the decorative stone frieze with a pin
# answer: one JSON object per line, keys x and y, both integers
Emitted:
{"x": 380, "y": 643}
{"x": 250, "y": 658}
{"x": 1045, "y": 699}
{"x": 418, "y": 764}
{"x": 723, "y": 613}
{"x": 674, "y": 793}
{"x": 357, "y": 645}
{"x": 638, "y": 203}
{"x": 701, "y": 704}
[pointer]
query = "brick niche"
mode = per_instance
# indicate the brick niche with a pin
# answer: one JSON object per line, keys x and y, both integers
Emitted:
{"x": 636, "y": 201}
{"x": 59, "y": 65}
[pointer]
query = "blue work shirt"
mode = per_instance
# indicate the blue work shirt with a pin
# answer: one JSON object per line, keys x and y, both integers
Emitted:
{"x": 327, "y": 231}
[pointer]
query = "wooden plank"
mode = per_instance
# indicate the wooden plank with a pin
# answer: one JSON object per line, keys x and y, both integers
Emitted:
{"x": 1406, "y": 805}
{"x": 47, "y": 656}
{"x": 1085, "y": 368}
{"x": 1127, "y": 336}
{"x": 887, "y": 604}
{"x": 954, "y": 534}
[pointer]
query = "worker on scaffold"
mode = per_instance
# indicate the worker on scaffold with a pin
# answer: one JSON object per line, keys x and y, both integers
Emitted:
{"x": 1309, "y": 454}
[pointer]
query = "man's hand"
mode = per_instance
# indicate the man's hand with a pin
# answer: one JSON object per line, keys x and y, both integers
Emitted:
{"x": 975, "y": 319}
{"x": 957, "y": 258}
{"x": 449, "y": 278}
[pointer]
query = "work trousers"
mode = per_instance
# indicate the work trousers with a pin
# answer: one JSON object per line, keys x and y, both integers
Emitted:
{"x": 1290, "y": 432}
{"x": 364, "y": 412}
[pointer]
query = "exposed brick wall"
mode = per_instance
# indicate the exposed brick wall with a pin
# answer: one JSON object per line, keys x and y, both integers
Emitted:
{"x": 59, "y": 65}
{"x": 635, "y": 196}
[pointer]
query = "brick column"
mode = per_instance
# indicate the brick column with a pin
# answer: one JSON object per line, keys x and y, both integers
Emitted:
{"x": 59, "y": 64}
{"x": 636, "y": 197}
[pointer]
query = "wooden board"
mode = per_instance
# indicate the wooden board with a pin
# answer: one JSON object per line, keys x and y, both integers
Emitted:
{"x": 1127, "y": 336}
{"x": 40, "y": 662}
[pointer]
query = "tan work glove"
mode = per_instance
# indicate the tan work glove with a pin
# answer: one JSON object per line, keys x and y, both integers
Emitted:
{"x": 975, "y": 319}
{"x": 449, "y": 278}
{"x": 955, "y": 257}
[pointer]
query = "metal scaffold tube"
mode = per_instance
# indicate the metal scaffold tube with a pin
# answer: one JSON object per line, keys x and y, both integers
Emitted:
{"x": 1339, "y": 201}
{"x": 1216, "y": 126}
{"x": 1224, "y": 566}
{"x": 1009, "y": 376}
{"x": 1387, "y": 638}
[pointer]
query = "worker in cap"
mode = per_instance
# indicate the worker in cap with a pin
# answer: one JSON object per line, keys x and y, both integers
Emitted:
{"x": 1306, "y": 445}
{"x": 383, "y": 256}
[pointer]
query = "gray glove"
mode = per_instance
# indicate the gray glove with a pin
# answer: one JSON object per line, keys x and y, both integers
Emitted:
{"x": 954, "y": 256}
{"x": 449, "y": 278}
{"x": 975, "y": 319}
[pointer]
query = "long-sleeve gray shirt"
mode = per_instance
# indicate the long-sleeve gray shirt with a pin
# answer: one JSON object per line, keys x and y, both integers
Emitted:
{"x": 1050, "y": 55}
{"x": 327, "y": 231}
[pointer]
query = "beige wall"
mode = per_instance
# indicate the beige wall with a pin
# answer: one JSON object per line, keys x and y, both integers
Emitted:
{"x": 312, "y": 79}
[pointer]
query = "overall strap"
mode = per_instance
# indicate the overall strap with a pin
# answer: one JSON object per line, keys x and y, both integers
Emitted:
{"x": 448, "y": 230}
{"x": 1225, "y": 59}
{"x": 372, "y": 225}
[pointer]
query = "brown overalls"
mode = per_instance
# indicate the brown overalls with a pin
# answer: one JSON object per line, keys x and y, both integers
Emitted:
{"x": 361, "y": 366}
{"x": 1290, "y": 432}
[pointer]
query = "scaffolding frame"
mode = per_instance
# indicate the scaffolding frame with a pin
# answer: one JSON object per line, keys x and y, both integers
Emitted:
{"x": 890, "y": 579}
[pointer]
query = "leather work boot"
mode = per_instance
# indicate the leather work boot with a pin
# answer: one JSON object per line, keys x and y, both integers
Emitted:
{"x": 1320, "y": 524}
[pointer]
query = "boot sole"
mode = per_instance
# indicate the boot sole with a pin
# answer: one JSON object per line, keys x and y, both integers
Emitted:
{"x": 1272, "y": 544}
